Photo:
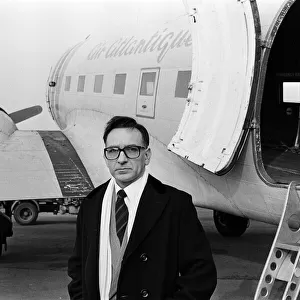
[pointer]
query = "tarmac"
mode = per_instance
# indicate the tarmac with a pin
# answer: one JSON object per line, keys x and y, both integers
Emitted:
{"x": 35, "y": 265}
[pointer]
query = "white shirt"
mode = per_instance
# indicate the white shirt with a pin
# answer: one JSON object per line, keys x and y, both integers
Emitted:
{"x": 134, "y": 192}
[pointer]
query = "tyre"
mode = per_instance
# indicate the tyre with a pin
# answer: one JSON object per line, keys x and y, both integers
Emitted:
{"x": 230, "y": 225}
{"x": 25, "y": 213}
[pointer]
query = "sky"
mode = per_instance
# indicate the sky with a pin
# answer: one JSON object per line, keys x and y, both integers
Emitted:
{"x": 34, "y": 34}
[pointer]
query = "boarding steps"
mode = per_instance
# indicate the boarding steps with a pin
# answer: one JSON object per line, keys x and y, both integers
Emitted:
{"x": 283, "y": 263}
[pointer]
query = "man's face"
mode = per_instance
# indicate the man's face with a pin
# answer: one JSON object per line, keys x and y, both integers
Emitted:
{"x": 127, "y": 170}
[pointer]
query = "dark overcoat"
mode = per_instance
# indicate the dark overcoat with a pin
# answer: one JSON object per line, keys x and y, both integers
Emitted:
{"x": 167, "y": 256}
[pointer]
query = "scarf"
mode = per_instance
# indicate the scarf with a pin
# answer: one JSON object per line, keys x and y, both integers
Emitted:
{"x": 105, "y": 273}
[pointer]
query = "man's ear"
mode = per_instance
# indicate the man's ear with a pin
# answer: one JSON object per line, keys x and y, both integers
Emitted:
{"x": 147, "y": 156}
{"x": 105, "y": 159}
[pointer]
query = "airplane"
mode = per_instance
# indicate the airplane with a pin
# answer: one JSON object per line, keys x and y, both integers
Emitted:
{"x": 216, "y": 83}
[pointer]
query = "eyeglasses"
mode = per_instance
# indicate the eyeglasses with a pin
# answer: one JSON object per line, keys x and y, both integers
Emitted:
{"x": 131, "y": 152}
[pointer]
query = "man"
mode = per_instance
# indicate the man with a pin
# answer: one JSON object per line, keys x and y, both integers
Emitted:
{"x": 6, "y": 230}
{"x": 144, "y": 243}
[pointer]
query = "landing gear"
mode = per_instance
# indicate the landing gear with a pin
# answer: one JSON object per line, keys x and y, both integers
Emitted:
{"x": 230, "y": 225}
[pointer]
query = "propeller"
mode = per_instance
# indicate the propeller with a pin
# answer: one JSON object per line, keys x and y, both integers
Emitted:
{"x": 26, "y": 113}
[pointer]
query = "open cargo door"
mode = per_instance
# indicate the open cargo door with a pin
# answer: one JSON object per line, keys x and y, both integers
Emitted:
{"x": 225, "y": 59}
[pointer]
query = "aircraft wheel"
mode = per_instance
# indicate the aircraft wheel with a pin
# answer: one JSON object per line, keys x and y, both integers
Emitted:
{"x": 25, "y": 213}
{"x": 230, "y": 225}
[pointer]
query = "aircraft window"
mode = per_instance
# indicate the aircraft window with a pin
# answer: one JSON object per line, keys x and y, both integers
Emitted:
{"x": 68, "y": 83}
{"x": 291, "y": 92}
{"x": 147, "y": 84}
{"x": 98, "y": 84}
{"x": 182, "y": 83}
{"x": 120, "y": 80}
{"x": 81, "y": 81}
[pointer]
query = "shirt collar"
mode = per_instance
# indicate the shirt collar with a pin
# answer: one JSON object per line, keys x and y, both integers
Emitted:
{"x": 133, "y": 189}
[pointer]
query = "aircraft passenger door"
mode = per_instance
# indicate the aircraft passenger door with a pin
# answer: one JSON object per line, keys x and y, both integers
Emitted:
{"x": 146, "y": 98}
{"x": 225, "y": 64}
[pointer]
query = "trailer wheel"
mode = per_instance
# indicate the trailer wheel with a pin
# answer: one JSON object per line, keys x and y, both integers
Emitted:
{"x": 25, "y": 213}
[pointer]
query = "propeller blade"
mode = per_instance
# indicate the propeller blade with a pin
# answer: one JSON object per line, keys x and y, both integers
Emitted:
{"x": 26, "y": 113}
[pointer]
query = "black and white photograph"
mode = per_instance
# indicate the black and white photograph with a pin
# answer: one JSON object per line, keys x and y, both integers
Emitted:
{"x": 150, "y": 149}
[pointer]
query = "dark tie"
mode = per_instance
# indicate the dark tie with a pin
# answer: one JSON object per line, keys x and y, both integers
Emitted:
{"x": 121, "y": 215}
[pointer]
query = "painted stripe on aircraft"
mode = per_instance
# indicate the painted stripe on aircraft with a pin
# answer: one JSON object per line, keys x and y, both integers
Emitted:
{"x": 71, "y": 174}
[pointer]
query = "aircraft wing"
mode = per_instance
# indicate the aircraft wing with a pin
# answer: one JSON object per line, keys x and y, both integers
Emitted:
{"x": 38, "y": 164}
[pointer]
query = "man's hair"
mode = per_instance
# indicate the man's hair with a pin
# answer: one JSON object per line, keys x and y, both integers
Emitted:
{"x": 126, "y": 122}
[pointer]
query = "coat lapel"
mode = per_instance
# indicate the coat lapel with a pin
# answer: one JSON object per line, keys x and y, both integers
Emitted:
{"x": 151, "y": 206}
